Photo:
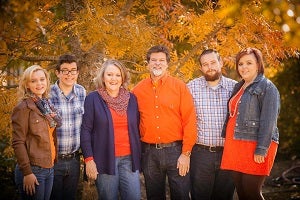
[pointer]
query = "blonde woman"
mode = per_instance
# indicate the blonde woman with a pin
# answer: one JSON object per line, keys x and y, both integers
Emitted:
{"x": 34, "y": 142}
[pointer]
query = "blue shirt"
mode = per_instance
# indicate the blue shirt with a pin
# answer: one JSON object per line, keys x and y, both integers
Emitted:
{"x": 71, "y": 110}
{"x": 211, "y": 108}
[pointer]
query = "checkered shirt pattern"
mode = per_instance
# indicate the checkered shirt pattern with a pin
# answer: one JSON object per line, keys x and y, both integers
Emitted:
{"x": 211, "y": 109}
{"x": 71, "y": 110}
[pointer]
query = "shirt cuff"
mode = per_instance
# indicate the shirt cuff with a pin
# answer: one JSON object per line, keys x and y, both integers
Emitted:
{"x": 88, "y": 159}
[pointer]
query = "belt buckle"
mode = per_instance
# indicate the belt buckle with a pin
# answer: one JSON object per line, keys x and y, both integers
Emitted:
{"x": 211, "y": 149}
{"x": 158, "y": 146}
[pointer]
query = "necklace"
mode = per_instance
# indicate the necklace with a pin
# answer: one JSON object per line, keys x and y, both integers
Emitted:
{"x": 238, "y": 95}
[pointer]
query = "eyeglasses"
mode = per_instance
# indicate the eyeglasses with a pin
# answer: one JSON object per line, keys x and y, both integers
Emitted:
{"x": 66, "y": 72}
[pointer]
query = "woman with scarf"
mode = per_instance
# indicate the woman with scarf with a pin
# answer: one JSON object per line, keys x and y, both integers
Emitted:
{"x": 34, "y": 142}
{"x": 109, "y": 137}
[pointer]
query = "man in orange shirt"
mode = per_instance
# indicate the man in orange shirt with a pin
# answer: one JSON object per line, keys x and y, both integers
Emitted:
{"x": 167, "y": 127}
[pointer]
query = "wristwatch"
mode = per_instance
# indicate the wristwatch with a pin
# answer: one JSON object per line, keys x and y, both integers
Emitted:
{"x": 187, "y": 153}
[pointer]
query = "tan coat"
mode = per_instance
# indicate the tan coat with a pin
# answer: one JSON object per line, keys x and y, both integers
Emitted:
{"x": 30, "y": 138}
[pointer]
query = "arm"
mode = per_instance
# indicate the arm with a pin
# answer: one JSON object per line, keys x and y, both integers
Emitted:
{"x": 189, "y": 121}
{"x": 20, "y": 118}
{"x": 270, "y": 106}
{"x": 86, "y": 137}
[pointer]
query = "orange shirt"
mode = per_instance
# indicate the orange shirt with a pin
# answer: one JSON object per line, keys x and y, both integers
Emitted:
{"x": 167, "y": 112}
{"x": 122, "y": 144}
{"x": 52, "y": 146}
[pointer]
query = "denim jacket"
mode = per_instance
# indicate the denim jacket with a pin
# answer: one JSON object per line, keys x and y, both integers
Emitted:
{"x": 258, "y": 111}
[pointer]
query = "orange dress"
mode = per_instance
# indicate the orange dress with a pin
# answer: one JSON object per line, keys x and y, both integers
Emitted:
{"x": 238, "y": 155}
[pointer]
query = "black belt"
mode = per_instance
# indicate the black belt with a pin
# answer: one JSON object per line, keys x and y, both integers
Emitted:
{"x": 69, "y": 155}
{"x": 163, "y": 145}
{"x": 211, "y": 148}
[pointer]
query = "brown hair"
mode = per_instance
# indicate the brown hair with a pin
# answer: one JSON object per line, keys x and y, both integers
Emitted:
{"x": 66, "y": 58}
{"x": 158, "y": 49}
{"x": 208, "y": 51}
{"x": 257, "y": 54}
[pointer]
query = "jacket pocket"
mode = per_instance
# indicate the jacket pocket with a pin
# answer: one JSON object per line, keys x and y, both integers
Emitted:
{"x": 37, "y": 124}
{"x": 252, "y": 124}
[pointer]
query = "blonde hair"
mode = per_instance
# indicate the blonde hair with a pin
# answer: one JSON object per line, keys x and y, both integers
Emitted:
{"x": 99, "y": 80}
{"x": 23, "y": 91}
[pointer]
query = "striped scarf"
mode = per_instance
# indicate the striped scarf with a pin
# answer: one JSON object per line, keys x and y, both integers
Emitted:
{"x": 47, "y": 110}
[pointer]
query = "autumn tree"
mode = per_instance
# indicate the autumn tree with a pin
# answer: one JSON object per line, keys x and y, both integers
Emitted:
{"x": 39, "y": 31}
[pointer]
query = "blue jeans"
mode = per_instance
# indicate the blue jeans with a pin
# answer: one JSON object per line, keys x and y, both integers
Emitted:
{"x": 45, "y": 179}
{"x": 66, "y": 178}
{"x": 209, "y": 182}
{"x": 159, "y": 164}
{"x": 124, "y": 183}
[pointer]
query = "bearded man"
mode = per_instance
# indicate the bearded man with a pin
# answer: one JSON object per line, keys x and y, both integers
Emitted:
{"x": 210, "y": 93}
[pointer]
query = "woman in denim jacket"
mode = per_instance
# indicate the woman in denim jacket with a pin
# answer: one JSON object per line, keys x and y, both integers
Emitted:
{"x": 250, "y": 128}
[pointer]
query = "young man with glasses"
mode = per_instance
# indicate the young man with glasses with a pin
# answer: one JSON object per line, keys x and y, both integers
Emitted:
{"x": 68, "y": 98}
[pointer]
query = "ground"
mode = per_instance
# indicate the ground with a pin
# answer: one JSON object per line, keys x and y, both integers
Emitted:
{"x": 275, "y": 188}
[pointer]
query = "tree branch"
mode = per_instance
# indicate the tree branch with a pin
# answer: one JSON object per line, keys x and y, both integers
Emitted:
{"x": 126, "y": 9}
{"x": 196, "y": 48}
{"x": 39, "y": 58}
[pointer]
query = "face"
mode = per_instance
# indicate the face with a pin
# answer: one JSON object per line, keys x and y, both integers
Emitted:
{"x": 68, "y": 74}
{"x": 211, "y": 67}
{"x": 248, "y": 68}
{"x": 158, "y": 64}
{"x": 37, "y": 83}
{"x": 112, "y": 79}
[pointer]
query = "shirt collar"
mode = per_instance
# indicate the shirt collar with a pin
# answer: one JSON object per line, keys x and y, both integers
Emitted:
{"x": 223, "y": 83}
{"x": 73, "y": 92}
{"x": 161, "y": 81}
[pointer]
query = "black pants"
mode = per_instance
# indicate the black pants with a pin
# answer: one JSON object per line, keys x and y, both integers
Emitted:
{"x": 248, "y": 186}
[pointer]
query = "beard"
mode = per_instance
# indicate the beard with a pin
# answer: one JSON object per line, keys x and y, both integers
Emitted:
{"x": 212, "y": 77}
{"x": 157, "y": 72}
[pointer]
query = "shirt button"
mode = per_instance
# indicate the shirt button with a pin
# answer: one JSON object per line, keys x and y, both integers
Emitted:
{"x": 156, "y": 96}
{"x": 157, "y": 117}
{"x": 157, "y": 127}
{"x": 156, "y": 106}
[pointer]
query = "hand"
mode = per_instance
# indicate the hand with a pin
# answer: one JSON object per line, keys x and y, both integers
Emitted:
{"x": 183, "y": 164}
{"x": 91, "y": 169}
{"x": 259, "y": 158}
{"x": 29, "y": 182}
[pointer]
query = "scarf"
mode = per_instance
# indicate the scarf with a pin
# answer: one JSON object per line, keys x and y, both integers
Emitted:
{"x": 119, "y": 103}
{"x": 47, "y": 110}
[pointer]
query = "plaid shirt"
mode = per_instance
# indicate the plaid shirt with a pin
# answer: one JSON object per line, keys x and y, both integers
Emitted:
{"x": 71, "y": 110}
{"x": 211, "y": 109}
